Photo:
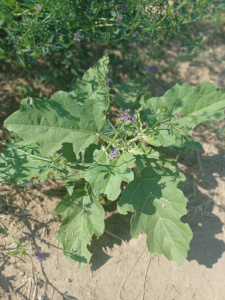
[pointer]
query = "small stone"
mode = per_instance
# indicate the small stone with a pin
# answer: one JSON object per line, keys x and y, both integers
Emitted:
{"x": 22, "y": 273}
{"x": 69, "y": 280}
{"x": 42, "y": 297}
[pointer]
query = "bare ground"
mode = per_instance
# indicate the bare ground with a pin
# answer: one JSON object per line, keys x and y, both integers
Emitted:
{"x": 121, "y": 267}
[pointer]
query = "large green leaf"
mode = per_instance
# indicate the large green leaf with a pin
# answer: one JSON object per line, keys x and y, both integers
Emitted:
{"x": 197, "y": 104}
{"x": 58, "y": 120}
{"x": 20, "y": 166}
{"x": 77, "y": 117}
{"x": 82, "y": 217}
{"x": 158, "y": 206}
{"x": 106, "y": 178}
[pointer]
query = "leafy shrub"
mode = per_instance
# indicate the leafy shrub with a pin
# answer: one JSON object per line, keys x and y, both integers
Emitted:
{"x": 30, "y": 30}
{"x": 69, "y": 138}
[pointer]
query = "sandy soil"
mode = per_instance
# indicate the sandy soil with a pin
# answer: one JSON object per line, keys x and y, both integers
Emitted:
{"x": 121, "y": 267}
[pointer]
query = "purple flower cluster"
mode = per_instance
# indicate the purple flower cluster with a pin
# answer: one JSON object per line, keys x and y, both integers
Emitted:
{"x": 135, "y": 34}
{"x": 178, "y": 114}
{"x": 114, "y": 153}
{"x": 77, "y": 36}
{"x": 126, "y": 116}
{"x": 175, "y": 5}
{"x": 40, "y": 256}
{"x": 119, "y": 17}
{"x": 154, "y": 69}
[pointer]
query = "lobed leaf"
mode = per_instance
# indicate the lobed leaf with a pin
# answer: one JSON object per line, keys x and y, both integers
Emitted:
{"x": 107, "y": 178}
{"x": 82, "y": 217}
{"x": 196, "y": 104}
{"x": 77, "y": 117}
{"x": 56, "y": 121}
{"x": 158, "y": 206}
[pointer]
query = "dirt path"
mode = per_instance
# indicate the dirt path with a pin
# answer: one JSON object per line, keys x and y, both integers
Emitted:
{"x": 121, "y": 267}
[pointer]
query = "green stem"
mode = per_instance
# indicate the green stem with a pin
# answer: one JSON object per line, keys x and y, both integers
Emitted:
{"x": 10, "y": 233}
{"x": 118, "y": 133}
{"x": 46, "y": 173}
{"x": 35, "y": 19}
{"x": 168, "y": 12}
{"x": 38, "y": 157}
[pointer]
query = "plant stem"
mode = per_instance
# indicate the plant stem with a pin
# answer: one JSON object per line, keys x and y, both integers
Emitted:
{"x": 118, "y": 133}
{"x": 168, "y": 12}
{"x": 46, "y": 173}
{"x": 10, "y": 233}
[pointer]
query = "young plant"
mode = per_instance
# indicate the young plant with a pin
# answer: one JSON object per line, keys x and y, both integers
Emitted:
{"x": 69, "y": 138}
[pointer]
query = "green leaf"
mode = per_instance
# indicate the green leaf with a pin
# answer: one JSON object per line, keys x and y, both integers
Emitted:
{"x": 158, "y": 206}
{"x": 59, "y": 120}
{"x": 106, "y": 178}
{"x": 93, "y": 83}
{"x": 152, "y": 140}
{"x": 196, "y": 105}
{"x": 70, "y": 186}
{"x": 77, "y": 117}
{"x": 21, "y": 167}
{"x": 82, "y": 217}
{"x": 141, "y": 149}
{"x": 128, "y": 92}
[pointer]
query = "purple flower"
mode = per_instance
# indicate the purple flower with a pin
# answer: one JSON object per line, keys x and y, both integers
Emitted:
{"x": 28, "y": 184}
{"x": 124, "y": 6}
{"x": 119, "y": 17}
{"x": 175, "y": 5}
{"x": 135, "y": 34}
{"x": 208, "y": 30}
{"x": 178, "y": 114}
{"x": 133, "y": 119}
{"x": 40, "y": 256}
{"x": 63, "y": 16}
{"x": 77, "y": 36}
{"x": 26, "y": 15}
{"x": 153, "y": 69}
{"x": 114, "y": 153}
{"x": 124, "y": 116}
